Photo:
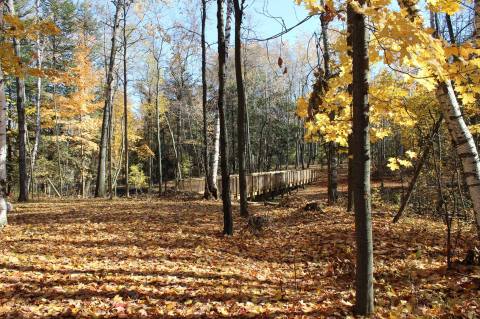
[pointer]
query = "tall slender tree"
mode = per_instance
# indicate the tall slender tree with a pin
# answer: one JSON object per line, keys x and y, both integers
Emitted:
{"x": 208, "y": 181}
{"x": 22, "y": 124}
{"x": 102, "y": 157}
{"x": 350, "y": 174}
{"x": 126, "y": 3}
{"x": 215, "y": 154}
{"x": 227, "y": 201}
{"x": 361, "y": 160}
{"x": 3, "y": 138}
{"x": 156, "y": 56}
{"x": 462, "y": 138}
{"x": 332, "y": 146}
{"x": 241, "y": 117}
{"x": 39, "y": 48}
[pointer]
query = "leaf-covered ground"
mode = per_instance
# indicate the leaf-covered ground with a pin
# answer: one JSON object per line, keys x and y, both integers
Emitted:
{"x": 167, "y": 259}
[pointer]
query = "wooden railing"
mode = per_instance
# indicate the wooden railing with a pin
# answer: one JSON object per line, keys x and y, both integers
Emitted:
{"x": 258, "y": 184}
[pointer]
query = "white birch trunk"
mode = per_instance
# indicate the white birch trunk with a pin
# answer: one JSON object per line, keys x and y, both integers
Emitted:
{"x": 462, "y": 138}
{"x": 216, "y": 152}
{"x": 3, "y": 141}
{"x": 39, "y": 47}
{"x": 463, "y": 142}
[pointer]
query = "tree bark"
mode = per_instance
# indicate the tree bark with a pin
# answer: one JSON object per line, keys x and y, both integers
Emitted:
{"x": 462, "y": 138}
{"x": 22, "y": 125}
{"x": 215, "y": 156}
{"x": 125, "y": 102}
{"x": 332, "y": 146}
{"x": 227, "y": 205}
{"x": 159, "y": 139}
{"x": 463, "y": 142}
{"x": 209, "y": 185}
{"x": 239, "y": 7}
{"x": 36, "y": 142}
{"x": 364, "y": 304}
{"x": 350, "y": 91}
{"x": 3, "y": 140}
{"x": 102, "y": 157}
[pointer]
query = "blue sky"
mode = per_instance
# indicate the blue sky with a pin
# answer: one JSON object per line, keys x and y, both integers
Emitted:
{"x": 259, "y": 17}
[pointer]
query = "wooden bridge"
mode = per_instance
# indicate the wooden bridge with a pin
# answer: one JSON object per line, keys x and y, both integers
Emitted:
{"x": 258, "y": 184}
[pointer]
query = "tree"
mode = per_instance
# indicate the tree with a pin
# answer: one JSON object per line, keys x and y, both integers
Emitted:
{"x": 239, "y": 7}
{"x": 460, "y": 133}
{"x": 215, "y": 155}
{"x": 126, "y": 5}
{"x": 102, "y": 157}
{"x": 156, "y": 56}
{"x": 3, "y": 137}
{"x": 39, "y": 47}
{"x": 361, "y": 165}
{"x": 22, "y": 124}
{"x": 350, "y": 144}
{"x": 209, "y": 187}
{"x": 332, "y": 145}
{"x": 80, "y": 108}
{"x": 227, "y": 204}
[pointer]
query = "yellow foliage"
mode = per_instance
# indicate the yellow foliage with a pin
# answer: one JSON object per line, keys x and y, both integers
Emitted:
{"x": 144, "y": 152}
{"x": 447, "y": 6}
{"x": 312, "y": 6}
{"x": 302, "y": 107}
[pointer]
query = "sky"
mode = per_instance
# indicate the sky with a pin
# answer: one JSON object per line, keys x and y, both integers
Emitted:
{"x": 262, "y": 12}
{"x": 264, "y": 18}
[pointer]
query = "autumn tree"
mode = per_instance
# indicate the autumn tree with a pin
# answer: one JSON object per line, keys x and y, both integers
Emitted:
{"x": 125, "y": 6}
{"x": 361, "y": 165}
{"x": 102, "y": 158}
{"x": 3, "y": 135}
{"x": 79, "y": 108}
{"x": 241, "y": 117}
{"x": 227, "y": 204}
{"x": 22, "y": 124}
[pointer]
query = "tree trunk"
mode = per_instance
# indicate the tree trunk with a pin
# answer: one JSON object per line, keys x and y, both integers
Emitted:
{"x": 36, "y": 142}
{"x": 178, "y": 174}
{"x": 125, "y": 105}
{"x": 215, "y": 157}
{"x": 350, "y": 176}
{"x": 159, "y": 139}
{"x": 418, "y": 169}
{"x": 227, "y": 205}
{"x": 102, "y": 157}
{"x": 22, "y": 125}
{"x": 462, "y": 138}
{"x": 239, "y": 7}
{"x": 3, "y": 140}
{"x": 209, "y": 185}
{"x": 463, "y": 142}
{"x": 111, "y": 133}
{"x": 364, "y": 304}
{"x": 332, "y": 146}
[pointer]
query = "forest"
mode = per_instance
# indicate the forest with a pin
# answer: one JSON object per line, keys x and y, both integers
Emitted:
{"x": 239, "y": 159}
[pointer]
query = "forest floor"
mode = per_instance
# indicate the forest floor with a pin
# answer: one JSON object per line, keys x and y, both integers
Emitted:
{"x": 149, "y": 258}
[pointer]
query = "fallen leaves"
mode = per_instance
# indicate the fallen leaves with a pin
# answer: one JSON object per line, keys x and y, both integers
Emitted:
{"x": 150, "y": 259}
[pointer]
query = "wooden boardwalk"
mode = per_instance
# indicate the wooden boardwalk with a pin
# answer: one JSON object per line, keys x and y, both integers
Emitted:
{"x": 258, "y": 184}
